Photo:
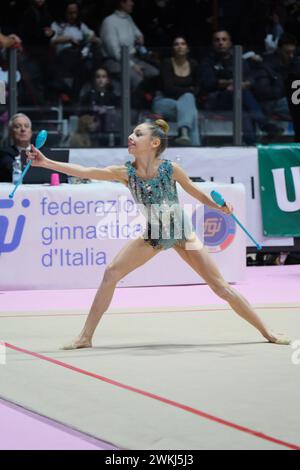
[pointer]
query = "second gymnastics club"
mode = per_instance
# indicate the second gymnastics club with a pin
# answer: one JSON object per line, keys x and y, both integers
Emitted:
{"x": 39, "y": 142}
{"x": 218, "y": 199}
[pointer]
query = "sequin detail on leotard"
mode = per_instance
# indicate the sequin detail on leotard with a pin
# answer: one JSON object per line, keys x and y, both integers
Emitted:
{"x": 167, "y": 223}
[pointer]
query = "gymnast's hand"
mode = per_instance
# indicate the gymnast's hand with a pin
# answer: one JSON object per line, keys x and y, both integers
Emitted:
{"x": 227, "y": 208}
{"x": 36, "y": 157}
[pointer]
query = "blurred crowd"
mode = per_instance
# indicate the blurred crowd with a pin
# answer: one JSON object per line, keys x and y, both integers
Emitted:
{"x": 181, "y": 59}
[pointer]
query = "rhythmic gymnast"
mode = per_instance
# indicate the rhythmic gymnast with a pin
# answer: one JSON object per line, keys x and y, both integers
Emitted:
{"x": 152, "y": 181}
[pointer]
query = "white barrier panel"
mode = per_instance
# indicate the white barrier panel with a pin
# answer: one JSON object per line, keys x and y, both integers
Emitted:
{"x": 49, "y": 237}
{"x": 224, "y": 164}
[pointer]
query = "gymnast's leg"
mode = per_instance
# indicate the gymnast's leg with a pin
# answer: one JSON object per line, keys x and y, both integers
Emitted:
{"x": 132, "y": 255}
{"x": 200, "y": 260}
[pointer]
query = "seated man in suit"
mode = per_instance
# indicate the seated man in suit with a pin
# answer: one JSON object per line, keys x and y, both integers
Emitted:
{"x": 20, "y": 131}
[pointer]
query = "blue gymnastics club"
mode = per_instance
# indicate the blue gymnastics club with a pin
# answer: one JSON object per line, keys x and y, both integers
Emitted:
{"x": 218, "y": 198}
{"x": 39, "y": 142}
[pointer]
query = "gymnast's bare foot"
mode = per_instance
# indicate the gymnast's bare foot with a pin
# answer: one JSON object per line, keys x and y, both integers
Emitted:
{"x": 79, "y": 343}
{"x": 277, "y": 338}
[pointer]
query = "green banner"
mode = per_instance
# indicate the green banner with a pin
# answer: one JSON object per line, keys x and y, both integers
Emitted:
{"x": 279, "y": 175}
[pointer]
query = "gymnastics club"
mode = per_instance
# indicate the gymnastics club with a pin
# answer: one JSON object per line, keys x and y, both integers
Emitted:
{"x": 218, "y": 198}
{"x": 39, "y": 142}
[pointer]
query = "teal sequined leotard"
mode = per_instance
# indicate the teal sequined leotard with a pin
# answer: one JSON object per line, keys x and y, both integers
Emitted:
{"x": 157, "y": 198}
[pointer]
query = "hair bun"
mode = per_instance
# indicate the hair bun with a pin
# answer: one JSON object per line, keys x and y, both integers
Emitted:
{"x": 162, "y": 124}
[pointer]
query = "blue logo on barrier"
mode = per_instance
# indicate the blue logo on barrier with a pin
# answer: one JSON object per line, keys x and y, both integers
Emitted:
{"x": 4, "y": 222}
{"x": 219, "y": 230}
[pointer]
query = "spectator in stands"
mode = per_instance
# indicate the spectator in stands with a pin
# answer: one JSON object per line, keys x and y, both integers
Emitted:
{"x": 274, "y": 31}
{"x": 36, "y": 35}
{"x": 101, "y": 93}
{"x": 36, "y": 25}
{"x": 83, "y": 137}
{"x": 117, "y": 30}
{"x": 20, "y": 132}
{"x": 102, "y": 102}
{"x": 179, "y": 89}
{"x": 77, "y": 47}
{"x": 271, "y": 74}
{"x": 217, "y": 79}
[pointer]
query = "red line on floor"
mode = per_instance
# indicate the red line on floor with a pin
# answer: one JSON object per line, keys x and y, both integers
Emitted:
{"x": 159, "y": 398}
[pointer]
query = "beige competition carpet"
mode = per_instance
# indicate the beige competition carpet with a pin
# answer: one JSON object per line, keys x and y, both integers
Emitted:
{"x": 194, "y": 378}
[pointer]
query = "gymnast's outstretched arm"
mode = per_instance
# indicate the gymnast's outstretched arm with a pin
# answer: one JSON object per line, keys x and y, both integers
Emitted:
{"x": 109, "y": 173}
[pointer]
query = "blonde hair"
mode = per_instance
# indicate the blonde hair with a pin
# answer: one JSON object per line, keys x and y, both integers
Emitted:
{"x": 160, "y": 128}
{"x": 163, "y": 125}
